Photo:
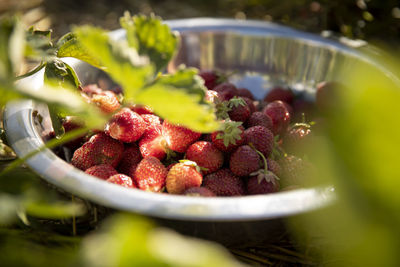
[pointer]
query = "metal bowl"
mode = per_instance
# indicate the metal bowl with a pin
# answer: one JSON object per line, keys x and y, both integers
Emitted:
{"x": 261, "y": 55}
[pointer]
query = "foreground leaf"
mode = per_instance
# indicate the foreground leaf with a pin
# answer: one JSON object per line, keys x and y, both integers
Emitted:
{"x": 179, "y": 107}
{"x": 123, "y": 63}
{"x": 151, "y": 38}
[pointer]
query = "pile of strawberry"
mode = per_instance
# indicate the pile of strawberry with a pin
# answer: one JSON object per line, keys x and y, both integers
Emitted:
{"x": 253, "y": 153}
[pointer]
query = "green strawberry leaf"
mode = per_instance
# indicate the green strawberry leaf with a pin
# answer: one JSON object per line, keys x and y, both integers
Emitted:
{"x": 57, "y": 69}
{"x": 68, "y": 46}
{"x": 150, "y": 37}
{"x": 121, "y": 62}
{"x": 56, "y": 210}
{"x": 179, "y": 107}
{"x": 39, "y": 45}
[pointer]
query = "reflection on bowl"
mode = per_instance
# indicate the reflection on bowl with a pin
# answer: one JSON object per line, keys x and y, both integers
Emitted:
{"x": 261, "y": 55}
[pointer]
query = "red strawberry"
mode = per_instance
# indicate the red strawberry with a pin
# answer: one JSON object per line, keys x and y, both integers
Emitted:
{"x": 244, "y": 92}
{"x": 130, "y": 157}
{"x": 212, "y": 96}
{"x": 152, "y": 121}
{"x": 141, "y": 109}
{"x": 239, "y": 110}
{"x": 279, "y": 93}
{"x": 298, "y": 137}
{"x": 73, "y": 123}
{"x": 260, "y": 119}
{"x": 103, "y": 171}
{"x": 199, "y": 192}
{"x": 262, "y": 184}
{"x": 178, "y": 137}
{"x": 295, "y": 171}
{"x": 150, "y": 175}
{"x": 300, "y": 107}
{"x": 182, "y": 176}
{"x": 230, "y": 137}
{"x": 210, "y": 78}
{"x": 327, "y": 95}
{"x": 260, "y": 138}
{"x": 91, "y": 89}
{"x": 100, "y": 149}
{"x": 250, "y": 104}
{"x": 224, "y": 183}
{"x": 226, "y": 90}
{"x": 122, "y": 179}
{"x": 274, "y": 167}
{"x": 280, "y": 116}
{"x": 244, "y": 161}
{"x": 126, "y": 126}
{"x": 153, "y": 143}
{"x": 107, "y": 101}
{"x": 206, "y": 155}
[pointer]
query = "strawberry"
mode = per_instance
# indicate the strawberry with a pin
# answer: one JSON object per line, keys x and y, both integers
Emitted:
{"x": 103, "y": 171}
{"x": 141, "y": 109}
{"x": 250, "y": 104}
{"x": 212, "y": 96}
{"x": 153, "y": 143}
{"x": 226, "y": 90}
{"x": 130, "y": 157}
{"x": 327, "y": 95}
{"x": 239, "y": 110}
{"x": 210, "y": 79}
{"x": 260, "y": 138}
{"x": 244, "y": 92}
{"x": 100, "y": 149}
{"x": 121, "y": 179}
{"x": 91, "y": 89}
{"x": 279, "y": 93}
{"x": 295, "y": 171}
{"x": 274, "y": 167}
{"x": 260, "y": 119}
{"x": 182, "y": 176}
{"x": 152, "y": 122}
{"x": 178, "y": 137}
{"x": 224, "y": 183}
{"x": 150, "y": 174}
{"x": 262, "y": 184}
{"x": 298, "y": 137}
{"x": 206, "y": 155}
{"x": 199, "y": 192}
{"x": 244, "y": 161}
{"x": 126, "y": 126}
{"x": 73, "y": 123}
{"x": 230, "y": 137}
{"x": 280, "y": 116}
{"x": 107, "y": 101}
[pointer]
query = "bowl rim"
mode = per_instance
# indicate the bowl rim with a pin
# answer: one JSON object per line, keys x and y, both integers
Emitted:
{"x": 24, "y": 138}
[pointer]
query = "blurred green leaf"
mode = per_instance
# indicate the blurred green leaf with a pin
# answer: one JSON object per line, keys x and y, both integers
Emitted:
{"x": 179, "y": 107}
{"x": 68, "y": 46}
{"x": 39, "y": 45}
{"x": 129, "y": 240}
{"x": 54, "y": 210}
{"x": 12, "y": 44}
{"x": 151, "y": 38}
{"x": 8, "y": 206}
{"x": 123, "y": 63}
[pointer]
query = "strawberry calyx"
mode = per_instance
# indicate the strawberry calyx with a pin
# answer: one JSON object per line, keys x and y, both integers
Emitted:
{"x": 263, "y": 174}
{"x": 235, "y": 102}
{"x": 222, "y": 109}
{"x": 190, "y": 163}
{"x": 230, "y": 132}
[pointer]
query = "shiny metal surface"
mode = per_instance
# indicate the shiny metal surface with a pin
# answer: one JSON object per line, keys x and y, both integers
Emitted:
{"x": 261, "y": 54}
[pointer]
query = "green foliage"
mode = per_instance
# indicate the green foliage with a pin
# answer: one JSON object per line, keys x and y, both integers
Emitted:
{"x": 128, "y": 240}
{"x": 150, "y": 37}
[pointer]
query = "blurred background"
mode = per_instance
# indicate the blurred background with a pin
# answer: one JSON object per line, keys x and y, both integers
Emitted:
{"x": 373, "y": 20}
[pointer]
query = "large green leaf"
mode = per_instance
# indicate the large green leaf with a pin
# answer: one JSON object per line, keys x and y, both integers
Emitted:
{"x": 151, "y": 37}
{"x": 180, "y": 107}
{"x": 62, "y": 72}
{"x": 39, "y": 45}
{"x": 68, "y": 46}
{"x": 122, "y": 62}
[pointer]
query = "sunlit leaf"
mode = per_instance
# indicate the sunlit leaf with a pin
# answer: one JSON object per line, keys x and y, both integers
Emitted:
{"x": 55, "y": 210}
{"x": 123, "y": 63}
{"x": 179, "y": 107}
{"x": 39, "y": 45}
{"x": 151, "y": 37}
{"x": 8, "y": 207}
{"x": 68, "y": 46}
